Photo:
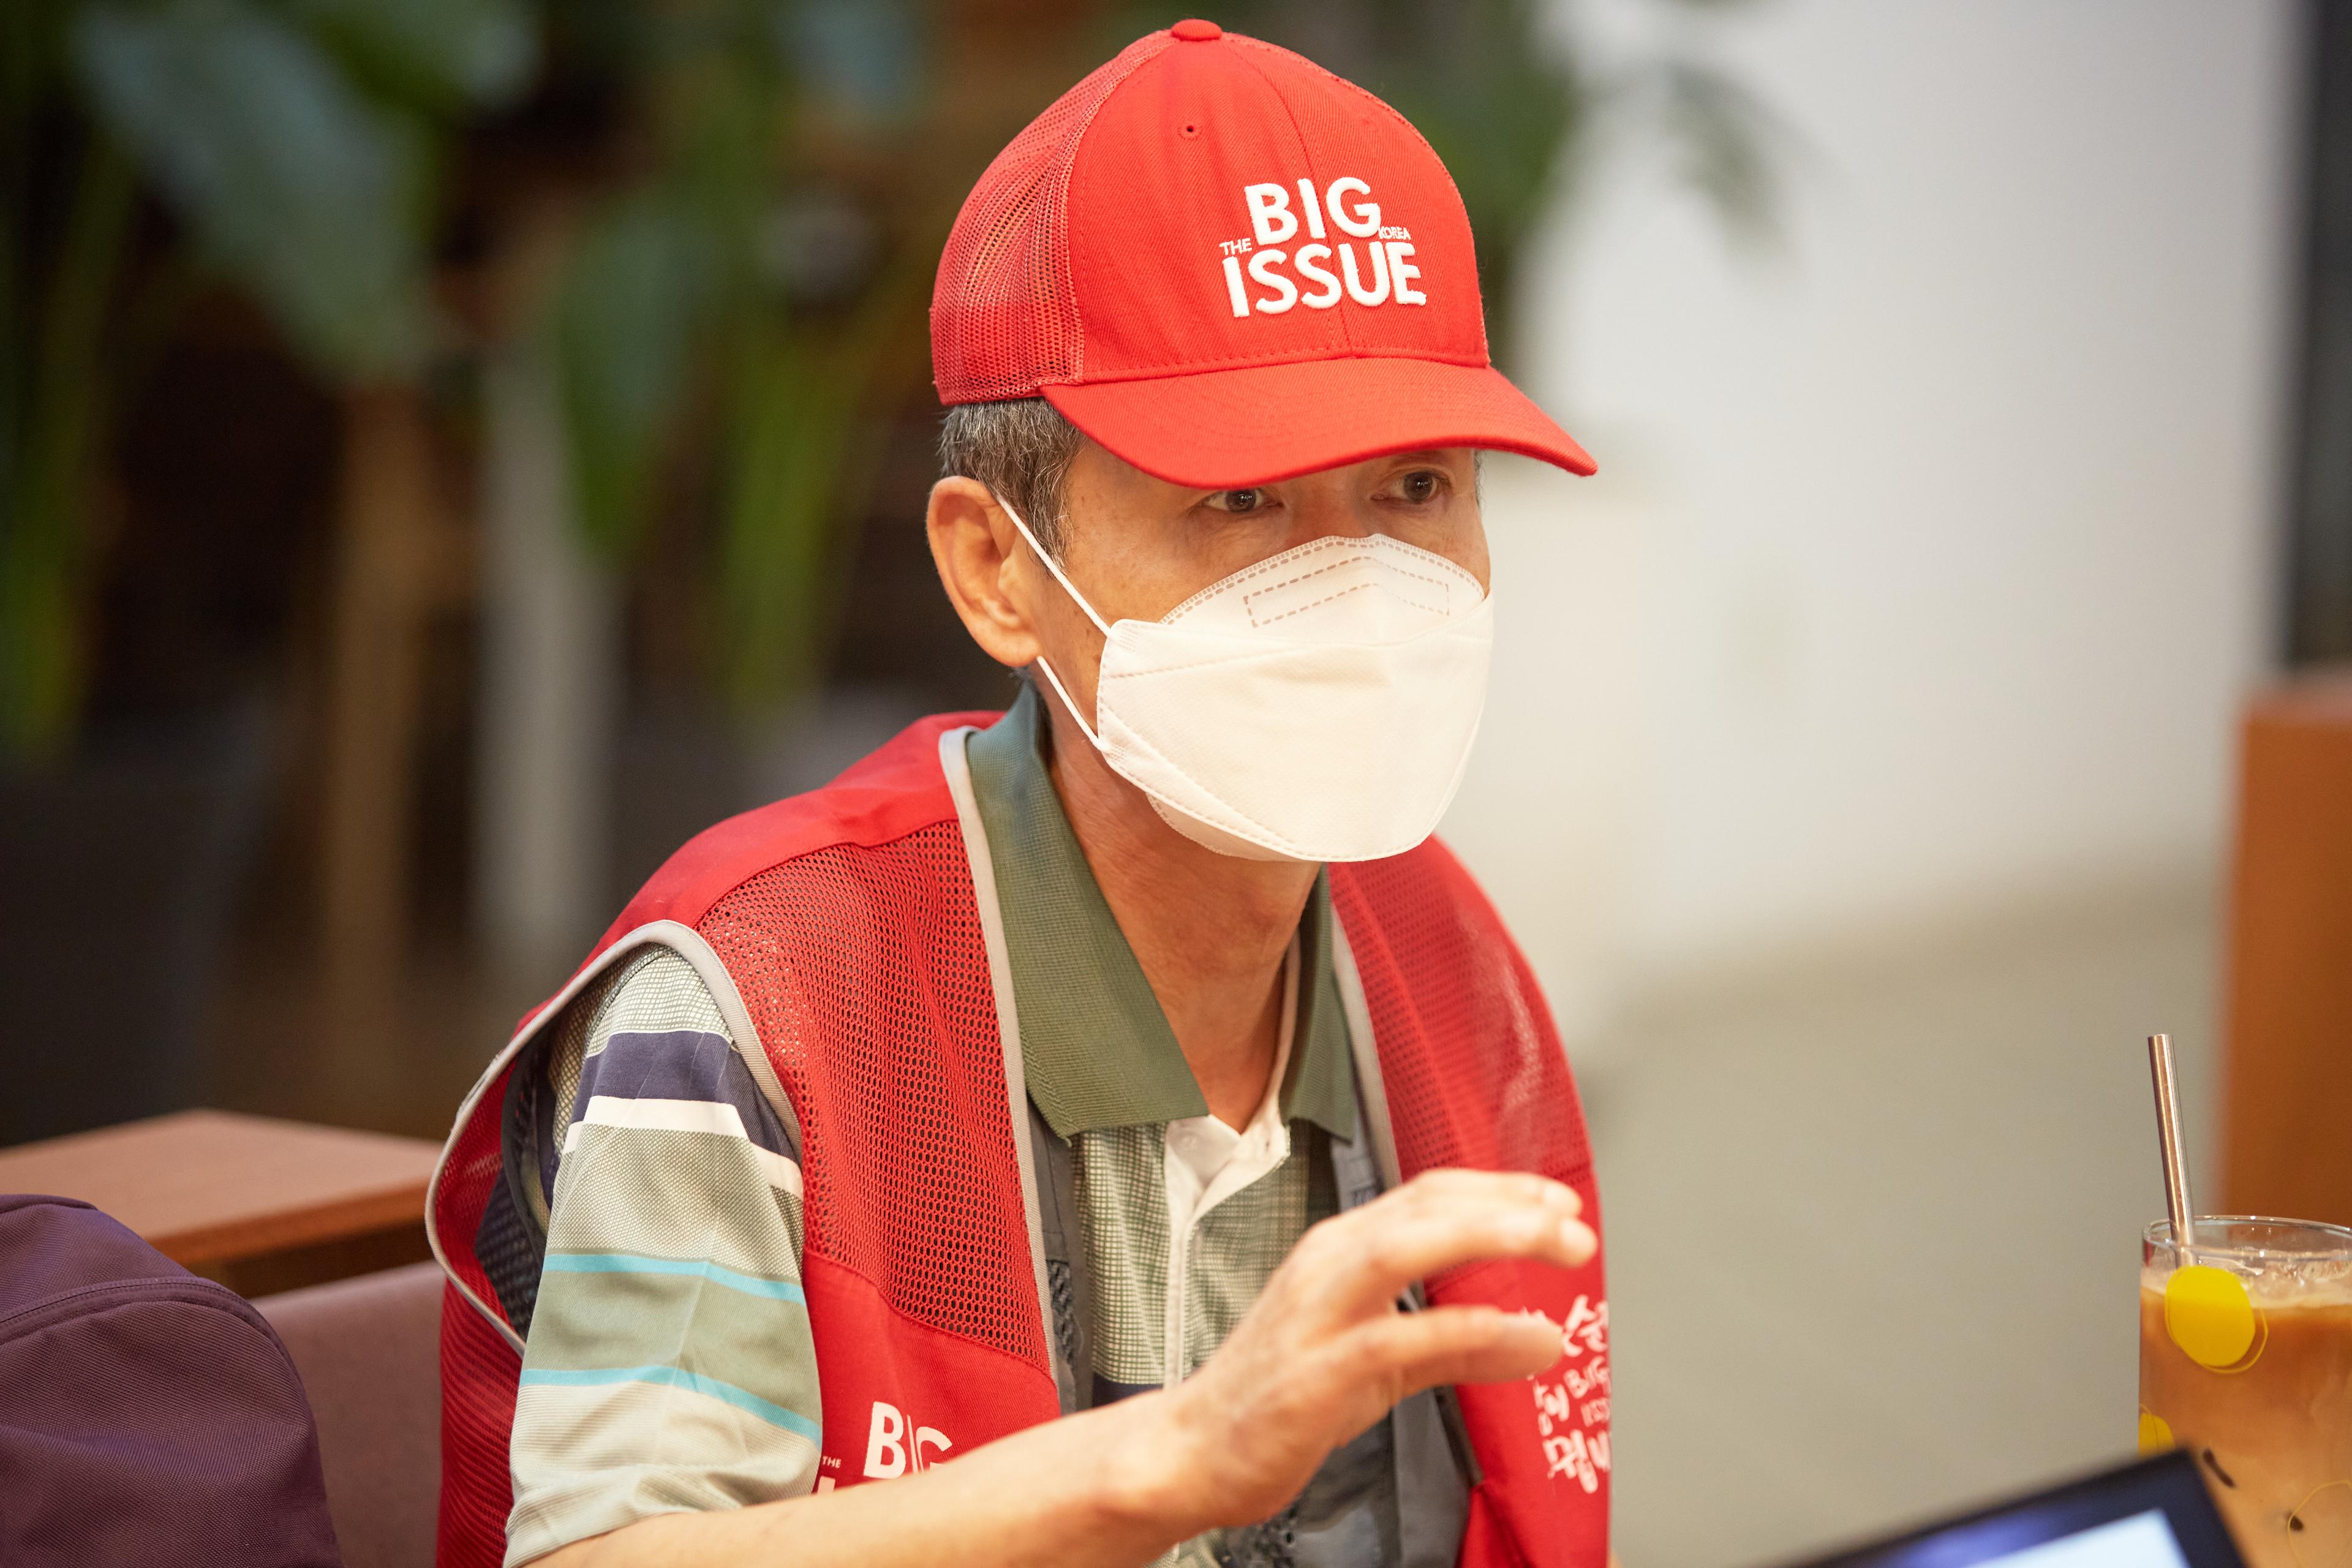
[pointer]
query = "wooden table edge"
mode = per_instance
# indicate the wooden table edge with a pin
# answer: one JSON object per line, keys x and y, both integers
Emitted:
{"x": 256, "y": 1235}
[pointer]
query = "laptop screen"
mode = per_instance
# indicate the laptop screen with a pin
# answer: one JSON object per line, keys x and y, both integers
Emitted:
{"x": 2143, "y": 1541}
{"x": 2152, "y": 1514}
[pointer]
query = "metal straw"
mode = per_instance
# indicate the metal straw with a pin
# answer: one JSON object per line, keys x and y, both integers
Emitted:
{"x": 2176, "y": 1160}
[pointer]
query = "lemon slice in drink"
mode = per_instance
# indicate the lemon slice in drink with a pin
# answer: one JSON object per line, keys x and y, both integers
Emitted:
{"x": 2209, "y": 1315}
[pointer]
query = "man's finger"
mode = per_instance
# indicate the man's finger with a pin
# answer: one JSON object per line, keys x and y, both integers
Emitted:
{"x": 1452, "y": 1182}
{"x": 1372, "y": 1255}
{"x": 1456, "y": 1344}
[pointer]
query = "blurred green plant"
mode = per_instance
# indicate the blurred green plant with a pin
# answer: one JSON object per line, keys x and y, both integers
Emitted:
{"x": 740, "y": 309}
{"x": 753, "y": 294}
{"x": 294, "y": 144}
{"x": 750, "y": 299}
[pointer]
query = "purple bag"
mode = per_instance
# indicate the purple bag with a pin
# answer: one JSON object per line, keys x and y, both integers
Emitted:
{"x": 146, "y": 1415}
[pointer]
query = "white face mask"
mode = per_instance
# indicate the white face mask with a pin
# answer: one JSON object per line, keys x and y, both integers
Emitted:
{"x": 1317, "y": 706}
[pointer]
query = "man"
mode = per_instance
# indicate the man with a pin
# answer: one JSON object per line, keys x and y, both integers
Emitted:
{"x": 1113, "y": 1123}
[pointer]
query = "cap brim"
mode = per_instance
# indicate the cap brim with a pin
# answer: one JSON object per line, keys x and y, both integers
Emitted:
{"x": 1223, "y": 429}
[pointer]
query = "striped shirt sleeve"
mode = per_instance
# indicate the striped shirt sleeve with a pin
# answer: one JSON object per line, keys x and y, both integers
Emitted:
{"x": 669, "y": 1366}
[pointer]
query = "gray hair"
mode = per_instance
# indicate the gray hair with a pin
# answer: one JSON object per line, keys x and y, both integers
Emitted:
{"x": 1021, "y": 448}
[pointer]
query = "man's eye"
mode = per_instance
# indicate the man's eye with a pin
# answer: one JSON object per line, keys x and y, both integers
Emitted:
{"x": 1423, "y": 484}
{"x": 1238, "y": 501}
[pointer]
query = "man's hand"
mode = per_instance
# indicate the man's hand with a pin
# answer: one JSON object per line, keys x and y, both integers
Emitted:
{"x": 1322, "y": 1355}
{"x": 1325, "y": 1352}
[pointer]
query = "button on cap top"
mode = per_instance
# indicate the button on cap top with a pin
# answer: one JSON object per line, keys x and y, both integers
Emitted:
{"x": 1193, "y": 30}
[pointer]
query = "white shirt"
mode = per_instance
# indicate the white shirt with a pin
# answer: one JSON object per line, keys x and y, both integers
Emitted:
{"x": 1208, "y": 1161}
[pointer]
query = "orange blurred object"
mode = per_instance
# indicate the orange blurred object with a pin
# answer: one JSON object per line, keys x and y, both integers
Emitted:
{"x": 2287, "y": 1085}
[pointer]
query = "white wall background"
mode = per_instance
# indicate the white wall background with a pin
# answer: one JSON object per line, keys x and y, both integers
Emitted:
{"x": 1930, "y": 553}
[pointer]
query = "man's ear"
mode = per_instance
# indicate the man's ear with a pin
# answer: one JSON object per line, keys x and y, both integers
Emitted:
{"x": 976, "y": 548}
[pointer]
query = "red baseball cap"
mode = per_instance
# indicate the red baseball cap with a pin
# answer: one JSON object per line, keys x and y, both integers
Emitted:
{"x": 1228, "y": 265}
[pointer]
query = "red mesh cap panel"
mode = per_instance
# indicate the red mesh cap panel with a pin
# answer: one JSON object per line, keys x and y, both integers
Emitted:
{"x": 1472, "y": 1067}
{"x": 1004, "y": 316}
{"x": 864, "y": 973}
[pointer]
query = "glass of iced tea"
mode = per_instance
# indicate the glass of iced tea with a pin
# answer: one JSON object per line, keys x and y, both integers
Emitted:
{"x": 2245, "y": 1360}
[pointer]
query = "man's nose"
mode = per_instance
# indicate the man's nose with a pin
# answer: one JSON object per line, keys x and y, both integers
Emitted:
{"x": 1328, "y": 511}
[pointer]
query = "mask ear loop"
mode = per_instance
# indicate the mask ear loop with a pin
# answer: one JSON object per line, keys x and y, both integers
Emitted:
{"x": 1077, "y": 598}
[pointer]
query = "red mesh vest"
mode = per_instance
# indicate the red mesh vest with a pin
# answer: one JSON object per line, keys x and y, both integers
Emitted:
{"x": 847, "y": 921}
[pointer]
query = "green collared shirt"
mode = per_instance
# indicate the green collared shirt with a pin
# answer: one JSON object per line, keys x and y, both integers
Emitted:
{"x": 1098, "y": 1053}
{"x": 1172, "y": 1267}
